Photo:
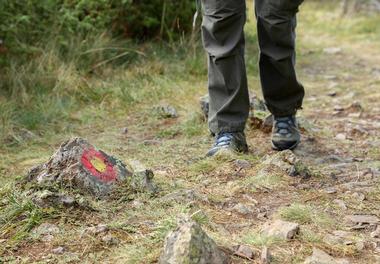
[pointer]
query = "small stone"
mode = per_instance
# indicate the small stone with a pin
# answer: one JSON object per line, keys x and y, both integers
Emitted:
{"x": 58, "y": 250}
{"x": 242, "y": 164}
{"x": 330, "y": 190}
{"x": 321, "y": 257}
{"x": 188, "y": 243}
{"x": 45, "y": 229}
{"x": 287, "y": 162}
{"x": 95, "y": 230}
{"x": 244, "y": 251}
{"x": 46, "y": 232}
{"x": 182, "y": 196}
{"x": 124, "y": 130}
{"x": 265, "y": 256}
{"x": 341, "y": 204}
{"x": 281, "y": 229}
{"x": 110, "y": 240}
{"x": 257, "y": 104}
{"x": 166, "y": 111}
{"x": 332, "y": 50}
{"x": 341, "y": 136}
{"x": 137, "y": 204}
{"x": 244, "y": 209}
{"x": 376, "y": 233}
{"x": 360, "y": 245}
{"x": 361, "y": 219}
{"x": 358, "y": 196}
{"x": 151, "y": 142}
{"x": 204, "y": 102}
{"x": 142, "y": 178}
{"x": 339, "y": 237}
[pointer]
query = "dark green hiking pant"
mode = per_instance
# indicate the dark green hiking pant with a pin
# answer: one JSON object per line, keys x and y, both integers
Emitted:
{"x": 223, "y": 38}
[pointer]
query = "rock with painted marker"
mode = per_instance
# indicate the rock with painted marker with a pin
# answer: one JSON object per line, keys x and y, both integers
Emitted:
{"x": 79, "y": 165}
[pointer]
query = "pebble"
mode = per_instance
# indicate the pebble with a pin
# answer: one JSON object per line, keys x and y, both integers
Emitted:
{"x": 330, "y": 190}
{"x": 332, "y": 50}
{"x": 244, "y": 251}
{"x": 281, "y": 229}
{"x": 341, "y": 204}
{"x": 58, "y": 250}
{"x": 265, "y": 255}
{"x": 110, "y": 240}
{"x": 341, "y": 136}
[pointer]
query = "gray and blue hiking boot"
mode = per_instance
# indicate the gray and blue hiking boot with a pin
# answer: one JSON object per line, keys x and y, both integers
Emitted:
{"x": 235, "y": 142}
{"x": 285, "y": 133}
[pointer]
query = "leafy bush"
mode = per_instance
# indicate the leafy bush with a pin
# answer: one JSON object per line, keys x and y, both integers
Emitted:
{"x": 27, "y": 22}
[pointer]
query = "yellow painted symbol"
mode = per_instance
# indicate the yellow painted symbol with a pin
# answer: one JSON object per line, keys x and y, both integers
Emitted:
{"x": 98, "y": 164}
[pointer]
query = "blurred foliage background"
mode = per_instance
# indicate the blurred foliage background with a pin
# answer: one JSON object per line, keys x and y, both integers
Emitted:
{"x": 55, "y": 47}
{"x": 58, "y": 57}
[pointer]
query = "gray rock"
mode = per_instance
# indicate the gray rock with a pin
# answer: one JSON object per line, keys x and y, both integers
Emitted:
{"x": 265, "y": 256}
{"x": 321, "y": 257}
{"x": 242, "y": 164}
{"x": 142, "y": 177}
{"x": 95, "y": 230}
{"x": 205, "y": 105}
{"x": 287, "y": 162}
{"x": 190, "y": 244}
{"x": 257, "y": 104}
{"x": 281, "y": 229}
{"x": 110, "y": 240}
{"x": 79, "y": 165}
{"x": 339, "y": 237}
{"x": 46, "y": 198}
{"x": 330, "y": 190}
{"x": 332, "y": 50}
{"x": 165, "y": 111}
{"x": 244, "y": 251}
{"x": 361, "y": 220}
{"x": 244, "y": 209}
{"x": 358, "y": 196}
{"x": 341, "y": 204}
{"x": 45, "y": 232}
{"x": 58, "y": 250}
{"x": 376, "y": 233}
{"x": 182, "y": 196}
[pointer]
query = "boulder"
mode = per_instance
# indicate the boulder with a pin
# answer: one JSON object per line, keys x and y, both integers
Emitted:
{"x": 321, "y": 257}
{"x": 79, "y": 165}
{"x": 281, "y": 229}
{"x": 190, "y": 244}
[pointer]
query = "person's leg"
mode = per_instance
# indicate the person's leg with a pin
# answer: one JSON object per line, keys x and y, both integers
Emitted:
{"x": 283, "y": 94}
{"x": 223, "y": 39}
{"x": 276, "y": 24}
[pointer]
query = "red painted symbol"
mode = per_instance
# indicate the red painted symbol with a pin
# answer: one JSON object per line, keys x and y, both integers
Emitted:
{"x": 98, "y": 165}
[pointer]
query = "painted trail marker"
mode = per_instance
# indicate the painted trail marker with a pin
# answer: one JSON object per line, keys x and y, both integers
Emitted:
{"x": 79, "y": 165}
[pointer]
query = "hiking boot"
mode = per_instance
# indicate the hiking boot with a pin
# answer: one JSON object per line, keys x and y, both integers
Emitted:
{"x": 229, "y": 141}
{"x": 285, "y": 133}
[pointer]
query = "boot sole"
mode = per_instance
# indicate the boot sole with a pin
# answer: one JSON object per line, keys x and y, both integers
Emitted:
{"x": 274, "y": 147}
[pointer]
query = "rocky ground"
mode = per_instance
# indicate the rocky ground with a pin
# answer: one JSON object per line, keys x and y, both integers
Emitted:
{"x": 318, "y": 204}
